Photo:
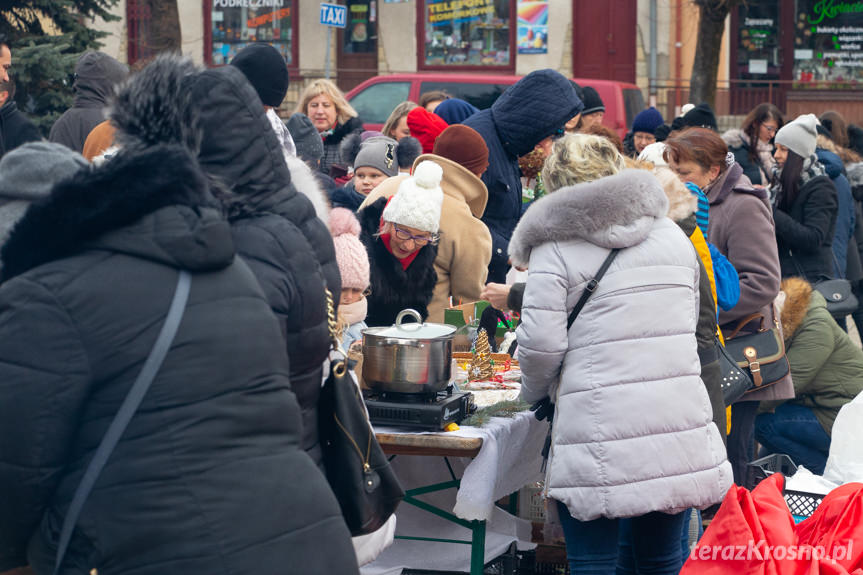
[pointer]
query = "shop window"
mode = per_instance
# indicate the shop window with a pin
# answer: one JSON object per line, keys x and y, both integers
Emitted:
{"x": 360, "y": 35}
{"x": 467, "y": 33}
{"x": 758, "y": 53}
{"x": 138, "y": 22}
{"x": 828, "y": 44}
{"x": 237, "y": 23}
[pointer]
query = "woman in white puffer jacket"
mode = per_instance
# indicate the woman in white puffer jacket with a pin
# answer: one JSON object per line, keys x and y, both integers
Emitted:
{"x": 633, "y": 435}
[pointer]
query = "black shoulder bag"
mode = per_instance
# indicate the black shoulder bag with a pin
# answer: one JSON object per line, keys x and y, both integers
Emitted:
{"x": 544, "y": 408}
{"x": 124, "y": 415}
{"x": 357, "y": 469}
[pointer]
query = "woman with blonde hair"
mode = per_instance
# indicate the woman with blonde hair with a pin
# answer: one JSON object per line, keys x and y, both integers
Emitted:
{"x": 396, "y": 126}
{"x": 619, "y": 447}
{"x": 332, "y": 116}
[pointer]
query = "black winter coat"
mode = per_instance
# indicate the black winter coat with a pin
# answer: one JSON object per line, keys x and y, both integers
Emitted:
{"x": 209, "y": 478}
{"x": 15, "y": 129}
{"x": 332, "y": 156}
{"x": 97, "y": 76}
{"x": 527, "y": 113}
{"x": 275, "y": 228}
{"x": 393, "y": 288}
{"x": 804, "y": 235}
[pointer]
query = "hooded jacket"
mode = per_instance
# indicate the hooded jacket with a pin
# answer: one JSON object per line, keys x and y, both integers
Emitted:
{"x": 738, "y": 144}
{"x": 740, "y": 220}
{"x": 464, "y": 249}
{"x": 15, "y": 129}
{"x": 275, "y": 228}
{"x": 845, "y": 210}
{"x": 394, "y": 288}
{"x": 89, "y": 276}
{"x": 826, "y": 366}
{"x": 96, "y": 76}
{"x": 332, "y": 143}
{"x": 620, "y": 446}
{"x": 524, "y": 115}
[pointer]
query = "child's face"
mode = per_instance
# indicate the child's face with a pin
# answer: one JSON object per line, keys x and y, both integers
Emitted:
{"x": 351, "y": 295}
{"x": 367, "y": 179}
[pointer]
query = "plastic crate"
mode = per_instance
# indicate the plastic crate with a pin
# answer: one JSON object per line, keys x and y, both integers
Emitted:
{"x": 531, "y": 503}
{"x": 801, "y": 504}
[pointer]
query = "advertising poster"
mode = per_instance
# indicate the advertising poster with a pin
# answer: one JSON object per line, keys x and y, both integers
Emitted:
{"x": 532, "y": 34}
{"x": 828, "y": 43}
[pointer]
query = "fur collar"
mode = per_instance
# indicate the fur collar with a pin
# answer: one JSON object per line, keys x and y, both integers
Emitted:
{"x": 614, "y": 212}
{"x": 342, "y": 130}
{"x": 798, "y": 295}
{"x": 855, "y": 174}
{"x": 736, "y": 138}
{"x": 681, "y": 202}
{"x": 306, "y": 183}
{"x": 95, "y": 202}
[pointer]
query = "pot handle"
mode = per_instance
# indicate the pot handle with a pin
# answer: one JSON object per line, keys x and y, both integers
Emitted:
{"x": 408, "y": 312}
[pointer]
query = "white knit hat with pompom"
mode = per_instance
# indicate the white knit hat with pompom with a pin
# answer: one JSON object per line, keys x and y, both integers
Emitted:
{"x": 419, "y": 199}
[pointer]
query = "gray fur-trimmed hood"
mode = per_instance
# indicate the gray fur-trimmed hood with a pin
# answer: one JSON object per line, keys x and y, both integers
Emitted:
{"x": 614, "y": 212}
{"x": 735, "y": 138}
{"x": 855, "y": 174}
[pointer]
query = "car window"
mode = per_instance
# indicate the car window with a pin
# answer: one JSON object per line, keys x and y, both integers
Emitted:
{"x": 633, "y": 101}
{"x": 480, "y": 95}
{"x": 376, "y": 103}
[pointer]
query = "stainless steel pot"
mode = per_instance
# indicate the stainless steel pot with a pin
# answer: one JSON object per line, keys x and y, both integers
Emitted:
{"x": 408, "y": 358}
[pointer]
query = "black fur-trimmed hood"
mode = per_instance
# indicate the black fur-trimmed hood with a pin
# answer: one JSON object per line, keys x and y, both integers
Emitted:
{"x": 152, "y": 204}
{"x": 342, "y": 130}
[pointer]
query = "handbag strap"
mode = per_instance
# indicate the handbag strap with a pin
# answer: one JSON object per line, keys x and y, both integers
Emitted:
{"x": 124, "y": 414}
{"x": 744, "y": 322}
{"x": 590, "y": 288}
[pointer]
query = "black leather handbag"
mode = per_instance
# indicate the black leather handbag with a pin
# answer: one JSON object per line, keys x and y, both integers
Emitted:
{"x": 735, "y": 382}
{"x": 357, "y": 470}
{"x": 841, "y": 301}
{"x": 760, "y": 355}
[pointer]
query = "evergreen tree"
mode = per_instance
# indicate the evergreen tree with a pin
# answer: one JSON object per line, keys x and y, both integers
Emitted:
{"x": 46, "y": 38}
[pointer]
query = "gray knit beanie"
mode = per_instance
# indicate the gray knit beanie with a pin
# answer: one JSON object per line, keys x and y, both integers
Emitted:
{"x": 30, "y": 172}
{"x": 379, "y": 152}
{"x": 799, "y": 136}
{"x": 310, "y": 146}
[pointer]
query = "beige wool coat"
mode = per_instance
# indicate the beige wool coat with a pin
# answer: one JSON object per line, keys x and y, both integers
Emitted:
{"x": 464, "y": 250}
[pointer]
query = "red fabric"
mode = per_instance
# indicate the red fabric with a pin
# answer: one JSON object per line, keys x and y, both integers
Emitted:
{"x": 425, "y": 127}
{"x": 737, "y": 540}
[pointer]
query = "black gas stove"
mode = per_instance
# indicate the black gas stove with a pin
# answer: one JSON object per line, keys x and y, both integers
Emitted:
{"x": 423, "y": 411}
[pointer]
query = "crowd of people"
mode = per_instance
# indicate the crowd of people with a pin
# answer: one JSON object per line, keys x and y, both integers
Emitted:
{"x": 666, "y": 243}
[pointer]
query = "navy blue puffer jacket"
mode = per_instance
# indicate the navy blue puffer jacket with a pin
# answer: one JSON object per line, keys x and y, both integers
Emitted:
{"x": 527, "y": 113}
{"x": 845, "y": 213}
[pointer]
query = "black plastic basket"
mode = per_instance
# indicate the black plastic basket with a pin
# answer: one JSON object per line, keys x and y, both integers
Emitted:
{"x": 801, "y": 504}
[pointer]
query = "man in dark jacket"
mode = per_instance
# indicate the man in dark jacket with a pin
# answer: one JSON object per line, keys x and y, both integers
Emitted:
{"x": 209, "y": 477}
{"x": 96, "y": 77}
{"x": 535, "y": 108}
{"x": 275, "y": 228}
{"x": 15, "y": 129}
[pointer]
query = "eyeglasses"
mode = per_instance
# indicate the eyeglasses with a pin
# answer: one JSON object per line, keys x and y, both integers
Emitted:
{"x": 405, "y": 235}
{"x": 770, "y": 129}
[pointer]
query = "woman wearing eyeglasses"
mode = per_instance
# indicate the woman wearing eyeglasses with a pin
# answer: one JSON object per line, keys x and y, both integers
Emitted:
{"x": 400, "y": 235}
{"x": 752, "y": 145}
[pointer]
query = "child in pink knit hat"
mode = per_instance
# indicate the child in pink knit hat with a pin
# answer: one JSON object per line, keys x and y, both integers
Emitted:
{"x": 354, "y": 266}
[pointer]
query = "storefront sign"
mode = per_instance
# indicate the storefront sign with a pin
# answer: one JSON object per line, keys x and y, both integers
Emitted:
{"x": 467, "y": 33}
{"x": 532, "y": 27}
{"x": 460, "y": 10}
{"x": 248, "y": 3}
{"x": 236, "y": 23}
{"x": 832, "y": 32}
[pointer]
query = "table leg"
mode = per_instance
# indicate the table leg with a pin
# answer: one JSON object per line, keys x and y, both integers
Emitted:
{"x": 477, "y": 548}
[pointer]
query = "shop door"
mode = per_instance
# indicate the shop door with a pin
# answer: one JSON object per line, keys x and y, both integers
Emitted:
{"x": 358, "y": 44}
{"x": 604, "y": 39}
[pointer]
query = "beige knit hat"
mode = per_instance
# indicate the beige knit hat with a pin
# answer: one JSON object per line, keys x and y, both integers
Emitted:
{"x": 419, "y": 199}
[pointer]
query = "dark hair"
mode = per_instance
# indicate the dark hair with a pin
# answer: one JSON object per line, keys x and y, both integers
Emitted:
{"x": 432, "y": 96}
{"x": 752, "y": 124}
{"x": 700, "y": 145}
{"x": 8, "y": 87}
{"x": 4, "y": 41}
{"x": 836, "y": 125}
{"x": 789, "y": 179}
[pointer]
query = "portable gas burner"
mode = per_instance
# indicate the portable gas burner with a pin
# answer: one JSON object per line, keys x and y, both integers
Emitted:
{"x": 425, "y": 411}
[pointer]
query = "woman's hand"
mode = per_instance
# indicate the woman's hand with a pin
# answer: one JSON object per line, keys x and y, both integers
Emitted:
{"x": 496, "y": 295}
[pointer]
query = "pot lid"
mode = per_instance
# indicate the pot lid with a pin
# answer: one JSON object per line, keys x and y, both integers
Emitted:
{"x": 417, "y": 330}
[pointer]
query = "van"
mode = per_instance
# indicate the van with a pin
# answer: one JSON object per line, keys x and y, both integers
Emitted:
{"x": 376, "y": 98}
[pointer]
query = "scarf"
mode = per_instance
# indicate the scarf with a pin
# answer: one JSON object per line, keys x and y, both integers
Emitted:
{"x": 355, "y": 312}
{"x": 812, "y": 168}
{"x": 407, "y": 260}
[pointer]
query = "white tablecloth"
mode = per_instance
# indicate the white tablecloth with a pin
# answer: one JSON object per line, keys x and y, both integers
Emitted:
{"x": 509, "y": 459}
